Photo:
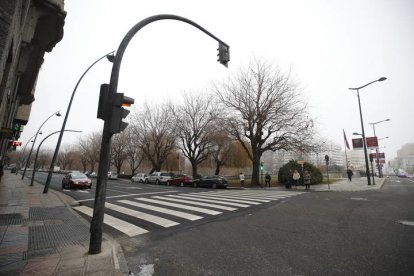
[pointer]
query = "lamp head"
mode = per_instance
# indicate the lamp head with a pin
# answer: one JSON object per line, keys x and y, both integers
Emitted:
{"x": 388, "y": 120}
{"x": 58, "y": 114}
{"x": 382, "y": 79}
{"x": 111, "y": 58}
{"x": 356, "y": 133}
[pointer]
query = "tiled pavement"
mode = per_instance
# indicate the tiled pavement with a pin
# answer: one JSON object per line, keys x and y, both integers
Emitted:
{"x": 41, "y": 235}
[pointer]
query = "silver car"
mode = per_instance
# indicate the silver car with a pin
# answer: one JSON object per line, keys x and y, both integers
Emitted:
{"x": 158, "y": 178}
{"x": 139, "y": 177}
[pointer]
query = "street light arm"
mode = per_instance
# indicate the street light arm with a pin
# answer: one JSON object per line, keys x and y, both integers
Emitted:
{"x": 380, "y": 79}
{"x": 125, "y": 41}
{"x": 55, "y": 154}
{"x": 37, "y": 153}
{"x": 34, "y": 141}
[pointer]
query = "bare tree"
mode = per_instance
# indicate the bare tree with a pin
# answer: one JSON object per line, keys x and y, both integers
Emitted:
{"x": 222, "y": 145}
{"x": 119, "y": 150}
{"x": 66, "y": 157}
{"x": 195, "y": 121}
{"x": 153, "y": 128}
{"x": 89, "y": 148}
{"x": 266, "y": 112}
{"x": 134, "y": 153}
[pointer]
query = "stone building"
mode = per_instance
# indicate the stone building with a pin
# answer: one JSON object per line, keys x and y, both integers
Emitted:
{"x": 28, "y": 29}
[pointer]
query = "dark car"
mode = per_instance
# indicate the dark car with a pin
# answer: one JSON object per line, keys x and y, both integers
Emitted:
{"x": 180, "y": 180}
{"x": 213, "y": 181}
{"x": 76, "y": 180}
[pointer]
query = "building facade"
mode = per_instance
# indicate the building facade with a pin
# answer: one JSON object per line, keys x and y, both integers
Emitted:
{"x": 28, "y": 29}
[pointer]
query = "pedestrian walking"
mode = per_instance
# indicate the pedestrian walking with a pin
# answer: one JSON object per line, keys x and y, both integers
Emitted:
{"x": 350, "y": 174}
{"x": 241, "y": 177}
{"x": 289, "y": 180}
{"x": 307, "y": 179}
{"x": 296, "y": 177}
{"x": 268, "y": 178}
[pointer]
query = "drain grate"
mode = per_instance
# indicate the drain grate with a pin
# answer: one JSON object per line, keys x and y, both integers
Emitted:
{"x": 50, "y": 229}
{"x": 11, "y": 219}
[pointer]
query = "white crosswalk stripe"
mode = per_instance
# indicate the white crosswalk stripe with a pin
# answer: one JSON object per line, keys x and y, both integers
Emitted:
{"x": 208, "y": 202}
{"x": 227, "y": 199}
{"x": 197, "y": 203}
{"x": 127, "y": 228}
{"x": 140, "y": 215}
{"x": 161, "y": 210}
{"x": 181, "y": 206}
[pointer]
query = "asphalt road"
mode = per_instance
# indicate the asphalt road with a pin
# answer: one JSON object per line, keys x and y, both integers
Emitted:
{"x": 319, "y": 233}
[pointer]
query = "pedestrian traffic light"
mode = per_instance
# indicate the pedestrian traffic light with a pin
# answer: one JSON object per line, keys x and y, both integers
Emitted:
{"x": 261, "y": 166}
{"x": 104, "y": 103}
{"x": 119, "y": 113}
{"x": 223, "y": 54}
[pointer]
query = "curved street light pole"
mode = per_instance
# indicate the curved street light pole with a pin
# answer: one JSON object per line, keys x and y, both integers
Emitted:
{"x": 21, "y": 156}
{"x": 362, "y": 126}
{"x": 57, "y": 113}
{"x": 110, "y": 57}
{"x": 37, "y": 152}
{"x": 376, "y": 149}
{"x": 100, "y": 194}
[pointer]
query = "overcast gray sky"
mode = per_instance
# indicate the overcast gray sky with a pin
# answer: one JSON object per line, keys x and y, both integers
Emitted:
{"x": 329, "y": 45}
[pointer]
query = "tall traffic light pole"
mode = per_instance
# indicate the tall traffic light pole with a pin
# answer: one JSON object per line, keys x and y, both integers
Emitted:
{"x": 109, "y": 110}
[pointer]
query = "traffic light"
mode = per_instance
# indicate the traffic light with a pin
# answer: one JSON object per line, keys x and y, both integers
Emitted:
{"x": 119, "y": 113}
{"x": 261, "y": 166}
{"x": 223, "y": 54}
{"x": 104, "y": 104}
{"x": 110, "y": 108}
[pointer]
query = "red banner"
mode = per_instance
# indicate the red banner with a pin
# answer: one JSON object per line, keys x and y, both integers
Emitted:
{"x": 372, "y": 142}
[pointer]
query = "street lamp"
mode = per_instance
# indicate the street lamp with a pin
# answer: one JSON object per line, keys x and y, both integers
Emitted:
{"x": 34, "y": 141}
{"x": 376, "y": 149}
{"x": 37, "y": 153}
{"x": 110, "y": 56}
{"x": 21, "y": 155}
{"x": 107, "y": 114}
{"x": 362, "y": 125}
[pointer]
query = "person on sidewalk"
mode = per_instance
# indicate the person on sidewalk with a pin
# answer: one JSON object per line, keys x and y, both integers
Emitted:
{"x": 307, "y": 179}
{"x": 296, "y": 177}
{"x": 241, "y": 177}
{"x": 350, "y": 174}
{"x": 289, "y": 180}
{"x": 267, "y": 180}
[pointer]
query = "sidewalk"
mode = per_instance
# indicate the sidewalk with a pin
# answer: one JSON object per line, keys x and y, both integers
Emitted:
{"x": 342, "y": 185}
{"x": 41, "y": 235}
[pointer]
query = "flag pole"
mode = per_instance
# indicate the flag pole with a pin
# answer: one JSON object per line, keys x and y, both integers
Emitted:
{"x": 346, "y": 146}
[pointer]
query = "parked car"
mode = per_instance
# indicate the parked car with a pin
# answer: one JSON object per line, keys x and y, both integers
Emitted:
{"x": 93, "y": 175}
{"x": 180, "y": 180}
{"x": 139, "y": 177}
{"x": 212, "y": 181}
{"x": 402, "y": 174}
{"x": 76, "y": 180}
{"x": 112, "y": 175}
{"x": 158, "y": 178}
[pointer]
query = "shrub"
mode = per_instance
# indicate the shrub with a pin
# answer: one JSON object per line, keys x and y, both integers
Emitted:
{"x": 316, "y": 175}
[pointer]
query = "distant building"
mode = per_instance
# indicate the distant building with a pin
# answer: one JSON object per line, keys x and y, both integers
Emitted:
{"x": 28, "y": 29}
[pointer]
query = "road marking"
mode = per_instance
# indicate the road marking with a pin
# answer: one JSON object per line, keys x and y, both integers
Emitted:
{"x": 109, "y": 197}
{"x": 209, "y": 200}
{"x": 120, "y": 225}
{"x": 161, "y": 210}
{"x": 181, "y": 206}
{"x": 140, "y": 215}
{"x": 238, "y": 197}
{"x": 406, "y": 222}
{"x": 231, "y": 200}
{"x": 197, "y": 203}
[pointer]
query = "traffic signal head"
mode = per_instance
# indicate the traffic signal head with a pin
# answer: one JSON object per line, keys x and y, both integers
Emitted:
{"x": 223, "y": 54}
{"x": 119, "y": 113}
{"x": 261, "y": 166}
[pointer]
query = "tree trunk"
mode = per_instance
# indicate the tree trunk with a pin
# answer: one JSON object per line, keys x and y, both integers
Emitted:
{"x": 194, "y": 169}
{"x": 217, "y": 172}
{"x": 256, "y": 169}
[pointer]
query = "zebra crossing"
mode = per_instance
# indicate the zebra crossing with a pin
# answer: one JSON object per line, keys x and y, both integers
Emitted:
{"x": 169, "y": 210}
